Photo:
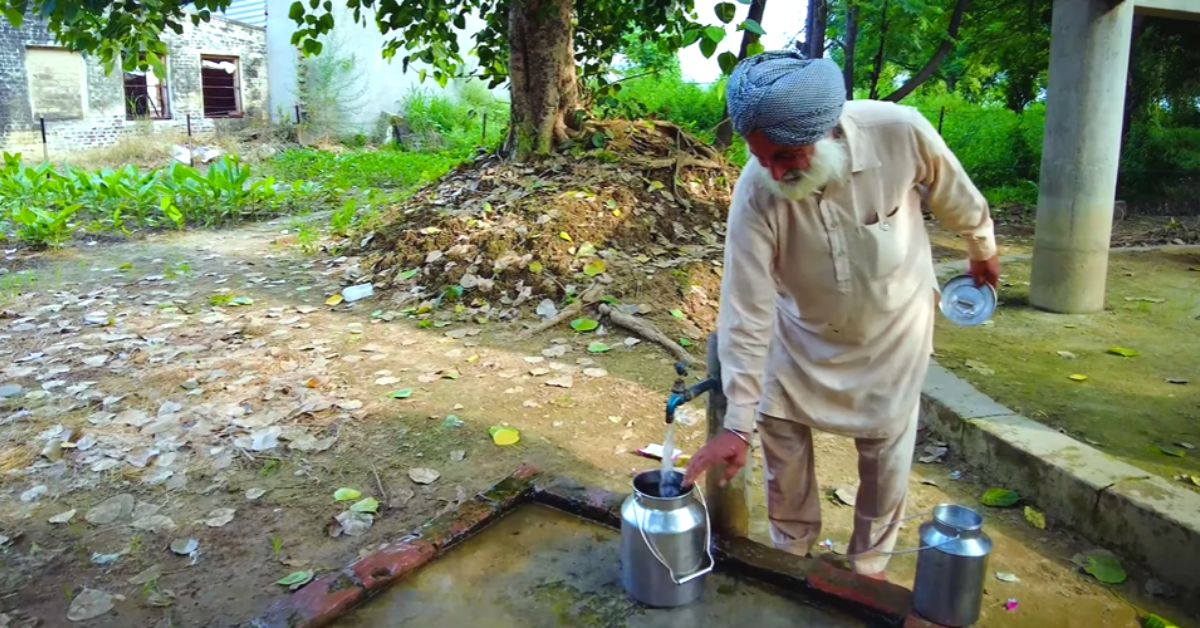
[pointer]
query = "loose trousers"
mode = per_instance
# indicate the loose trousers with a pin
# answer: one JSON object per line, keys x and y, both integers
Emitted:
{"x": 794, "y": 497}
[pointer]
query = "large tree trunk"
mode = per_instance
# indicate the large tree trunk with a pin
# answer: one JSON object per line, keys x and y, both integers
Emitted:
{"x": 931, "y": 66}
{"x": 879, "y": 53}
{"x": 724, "y": 136}
{"x": 820, "y": 24}
{"x": 541, "y": 70}
{"x": 848, "y": 47}
{"x": 815, "y": 37}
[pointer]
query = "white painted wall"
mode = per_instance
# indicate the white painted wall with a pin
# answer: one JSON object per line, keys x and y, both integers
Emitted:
{"x": 383, "y": 84}
{"x": 281, "y": 61}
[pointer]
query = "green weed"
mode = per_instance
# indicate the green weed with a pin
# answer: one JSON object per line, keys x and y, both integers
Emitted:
{"x": 269, "y": 467}
{"x": 307, "y": 238}
{"x": 342, "y": 219}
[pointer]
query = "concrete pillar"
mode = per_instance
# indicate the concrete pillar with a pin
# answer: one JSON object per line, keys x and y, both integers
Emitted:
{"x": 1089, "y": 58}
{"x": 729, "y": 505}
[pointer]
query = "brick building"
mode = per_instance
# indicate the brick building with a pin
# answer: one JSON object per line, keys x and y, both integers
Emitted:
{"x": 216, "y": 75}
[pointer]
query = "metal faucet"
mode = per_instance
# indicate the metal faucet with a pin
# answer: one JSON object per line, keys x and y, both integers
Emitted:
{"x": 681, "y": 394}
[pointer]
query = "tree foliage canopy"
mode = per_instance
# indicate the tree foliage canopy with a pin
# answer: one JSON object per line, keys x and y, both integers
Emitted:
{"x": 129, "y": 34}
{"x": 427, "y": 32}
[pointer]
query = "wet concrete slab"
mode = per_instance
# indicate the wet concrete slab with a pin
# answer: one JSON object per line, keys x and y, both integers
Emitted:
{"x": 541, "y": 567}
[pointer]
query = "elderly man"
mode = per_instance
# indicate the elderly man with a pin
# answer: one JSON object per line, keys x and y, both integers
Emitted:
{"x": 829, "y": 293}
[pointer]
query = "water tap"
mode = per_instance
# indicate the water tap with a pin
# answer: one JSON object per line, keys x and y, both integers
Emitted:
{"x": 681, "y": 394}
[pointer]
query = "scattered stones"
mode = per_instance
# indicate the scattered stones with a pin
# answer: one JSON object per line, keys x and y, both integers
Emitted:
{"x": 111, "y": 510}
{"x": 10, "y": 390}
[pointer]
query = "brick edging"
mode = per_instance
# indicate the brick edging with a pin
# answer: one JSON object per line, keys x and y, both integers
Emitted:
{"x": 332, "y": 594}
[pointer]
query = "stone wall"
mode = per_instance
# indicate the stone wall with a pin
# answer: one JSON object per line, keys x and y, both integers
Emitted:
{"x": 93, "y": 116}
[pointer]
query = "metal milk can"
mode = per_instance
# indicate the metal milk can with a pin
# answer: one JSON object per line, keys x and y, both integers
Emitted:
{"x": 665, "y": 543}
{"x": 952, "y": 566}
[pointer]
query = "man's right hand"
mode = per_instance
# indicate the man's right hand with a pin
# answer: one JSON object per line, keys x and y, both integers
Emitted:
{"x": 725, "y": 447}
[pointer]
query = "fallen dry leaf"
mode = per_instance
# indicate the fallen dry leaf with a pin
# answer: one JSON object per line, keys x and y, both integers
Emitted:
{"x": 424, "y": 475}
{"x": 90, "y": 604}
{"x": 63, "y": 517}
{"x": 219, "y": 518}
{"x": 845, "y": 495}
{"x": 565, "y": 381}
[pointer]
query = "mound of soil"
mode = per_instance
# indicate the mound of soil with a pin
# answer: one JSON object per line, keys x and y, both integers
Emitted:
{"x": 638, "y": 218}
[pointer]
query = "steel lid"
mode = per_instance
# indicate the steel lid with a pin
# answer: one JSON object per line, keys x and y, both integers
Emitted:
{"x": 966, "y": 304}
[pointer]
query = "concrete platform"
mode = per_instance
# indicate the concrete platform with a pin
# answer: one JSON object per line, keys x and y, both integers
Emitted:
{"x": 1114, "y": 504}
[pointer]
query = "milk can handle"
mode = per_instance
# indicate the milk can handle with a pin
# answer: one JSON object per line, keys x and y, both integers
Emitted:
{"x": 707, "y": 544}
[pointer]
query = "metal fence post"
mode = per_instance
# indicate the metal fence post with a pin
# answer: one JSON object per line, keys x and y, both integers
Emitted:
{"x": 45, "y": 146}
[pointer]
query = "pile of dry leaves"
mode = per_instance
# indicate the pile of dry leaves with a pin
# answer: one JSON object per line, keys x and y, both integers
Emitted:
{"x": 638, "y": 222}
{"x": 1176, "y": 231}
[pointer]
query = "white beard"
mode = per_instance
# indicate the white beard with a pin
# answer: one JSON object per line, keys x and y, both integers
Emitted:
{"x": 829, "y": 163}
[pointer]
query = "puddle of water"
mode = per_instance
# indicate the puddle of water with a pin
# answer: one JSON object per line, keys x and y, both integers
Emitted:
{"x": 542, "y": 567}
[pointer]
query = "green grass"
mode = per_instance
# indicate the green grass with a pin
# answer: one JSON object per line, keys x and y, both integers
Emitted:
{"x": 388, "y": 169}
{"x": 697, "y": 108}
{"x": 1126, "y": 405}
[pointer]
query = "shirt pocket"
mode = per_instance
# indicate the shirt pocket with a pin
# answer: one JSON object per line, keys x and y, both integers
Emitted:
{"x": 883, "y": 242}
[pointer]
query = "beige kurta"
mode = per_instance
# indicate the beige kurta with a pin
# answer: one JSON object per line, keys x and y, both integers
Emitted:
{"x": 827, "y": 304}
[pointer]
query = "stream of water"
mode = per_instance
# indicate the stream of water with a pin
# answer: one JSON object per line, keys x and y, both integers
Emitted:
{"x": 667, "y": 488}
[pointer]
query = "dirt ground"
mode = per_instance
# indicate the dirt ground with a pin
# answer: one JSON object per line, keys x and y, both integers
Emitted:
{"x": 134, "y": 380}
